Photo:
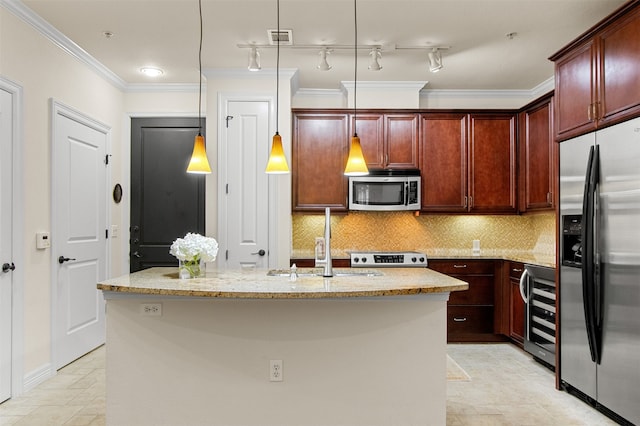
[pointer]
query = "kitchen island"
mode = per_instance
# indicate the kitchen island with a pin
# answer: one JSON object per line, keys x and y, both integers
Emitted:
{"x": 367, "y": 349}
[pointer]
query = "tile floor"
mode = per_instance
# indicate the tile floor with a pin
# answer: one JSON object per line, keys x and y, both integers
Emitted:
{"x": 506, "y": 388}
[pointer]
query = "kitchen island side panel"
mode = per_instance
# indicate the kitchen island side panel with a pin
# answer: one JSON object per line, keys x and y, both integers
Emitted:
{"x": 355, "y": 361}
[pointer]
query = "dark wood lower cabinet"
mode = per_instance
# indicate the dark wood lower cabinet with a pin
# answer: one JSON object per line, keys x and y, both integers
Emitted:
{"x": 471, "y": 314}
{"x": 491, "y": 310}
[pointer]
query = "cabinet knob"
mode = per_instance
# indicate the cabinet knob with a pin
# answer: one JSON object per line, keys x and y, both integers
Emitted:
{"x": 460, "y": 266}
{"x": 459, "y": 319}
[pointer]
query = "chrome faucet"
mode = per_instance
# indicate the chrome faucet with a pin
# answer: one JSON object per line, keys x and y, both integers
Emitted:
{"x": 328, "y": 266}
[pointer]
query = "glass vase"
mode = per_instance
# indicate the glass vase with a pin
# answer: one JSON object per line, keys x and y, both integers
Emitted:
{"x": 190, "y": 269}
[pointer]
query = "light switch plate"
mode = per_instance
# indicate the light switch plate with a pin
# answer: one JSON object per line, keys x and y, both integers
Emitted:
{"x": 43, "y": 240}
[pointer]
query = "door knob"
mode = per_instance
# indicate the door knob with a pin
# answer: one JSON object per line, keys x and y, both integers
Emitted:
{"x": 8, "y": 267}
{"x": 260, "y": 252}
{"x": 63, "y": 259}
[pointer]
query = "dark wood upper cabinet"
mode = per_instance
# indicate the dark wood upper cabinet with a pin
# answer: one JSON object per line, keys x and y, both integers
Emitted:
{"x": 537, "y": 156}
{"x": 468, "y": 162}
{"x": 596, "y": 76}
{"x": 443, "y": 162}
{"x": 319, "y": 154}
{"x": 389, "y": 140}
{"x": 492, "y": 163}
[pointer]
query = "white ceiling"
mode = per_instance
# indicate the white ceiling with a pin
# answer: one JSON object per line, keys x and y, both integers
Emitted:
{"x": 164, "y": 33}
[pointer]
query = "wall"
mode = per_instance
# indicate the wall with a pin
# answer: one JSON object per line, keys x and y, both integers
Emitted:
{"x": 45, "y": 71}
{"x": 434, "y": 234}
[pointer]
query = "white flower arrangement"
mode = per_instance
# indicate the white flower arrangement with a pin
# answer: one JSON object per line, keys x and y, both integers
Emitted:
{"x": 195, "y": 247}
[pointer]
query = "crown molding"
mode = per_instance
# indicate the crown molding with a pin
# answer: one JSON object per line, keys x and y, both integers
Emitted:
{"x": 63, "y": 42}
{"x": 386, "y": 85}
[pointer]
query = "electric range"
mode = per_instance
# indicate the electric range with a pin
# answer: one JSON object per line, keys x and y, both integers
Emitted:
{"x": 388, "y": 259}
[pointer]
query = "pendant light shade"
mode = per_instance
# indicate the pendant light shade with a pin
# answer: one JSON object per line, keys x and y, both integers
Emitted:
{"x": 199, "y": 163}
{"x": 277, "y": 160}
{"x": 356, "y": 164}
{"x": 277, "y": 163}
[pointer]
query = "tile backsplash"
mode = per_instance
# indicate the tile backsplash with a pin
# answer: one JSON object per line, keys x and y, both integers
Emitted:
{"x": 433, "y": 234}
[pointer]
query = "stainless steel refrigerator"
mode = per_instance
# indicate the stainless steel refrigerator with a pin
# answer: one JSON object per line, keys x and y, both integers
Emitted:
{"x": 600, "y": 269}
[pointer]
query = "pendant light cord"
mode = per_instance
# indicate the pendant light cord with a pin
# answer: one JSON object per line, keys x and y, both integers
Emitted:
{"x": 277, "y": 64}
{"x": 200, "y": 71}
{"x": 355, "y": 67}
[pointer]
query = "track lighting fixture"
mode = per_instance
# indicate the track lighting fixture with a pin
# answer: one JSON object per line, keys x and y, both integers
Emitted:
{"x": 376, "y": 55}
{"x": 254, "y": 59}
{"x": 323, "y": 65}
{"x": 435, "y": 60}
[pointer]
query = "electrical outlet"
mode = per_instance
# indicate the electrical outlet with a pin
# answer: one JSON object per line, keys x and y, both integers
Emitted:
{"x": 151, "y": 309}
{"x": 275, "y": 370}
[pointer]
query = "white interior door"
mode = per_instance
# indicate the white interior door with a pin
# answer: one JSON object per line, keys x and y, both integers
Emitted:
{"x": 6, "y": 237}
{"x": 79, "y": 234}
{"x": 246, "y": 186}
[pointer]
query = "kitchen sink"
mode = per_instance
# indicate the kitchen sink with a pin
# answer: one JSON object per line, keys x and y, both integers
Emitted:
{"x": 317, "y": 272}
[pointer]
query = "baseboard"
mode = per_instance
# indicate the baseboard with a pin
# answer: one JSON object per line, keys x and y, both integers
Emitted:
{"x": 34, "y": 378}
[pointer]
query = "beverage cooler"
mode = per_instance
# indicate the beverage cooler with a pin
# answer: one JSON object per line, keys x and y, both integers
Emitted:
{"x": 538, "y": 289}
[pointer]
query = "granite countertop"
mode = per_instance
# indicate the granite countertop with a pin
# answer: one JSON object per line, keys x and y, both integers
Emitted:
{"x": 255, "y": 284}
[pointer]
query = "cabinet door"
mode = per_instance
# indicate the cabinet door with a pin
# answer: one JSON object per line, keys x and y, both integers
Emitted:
{"x": 492, "y": 163}
{"x": 620, "y": 62}
{"x": 443, "y": 162}
{"x": 516, "y": 304}
{"x": 575, "y": 77}
{"x": 516, "y": 329}
{"x": 370, "y": 129}
{"x": 537, "y": 158}
{"x": 320, "y": 149}
{"x": 401, "y": 141}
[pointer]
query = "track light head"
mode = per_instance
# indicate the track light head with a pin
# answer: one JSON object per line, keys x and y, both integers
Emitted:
{"x": 376, "y": 55}
{"x": 323, "y": 65}
{"x": 254, "y": 59}
{"x": 435, "y": 60}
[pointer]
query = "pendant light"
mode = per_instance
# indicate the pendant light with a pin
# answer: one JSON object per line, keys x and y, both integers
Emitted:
{"x": 199, "y": 163}
{"x": 356, "y": 164}
{"x": 277, "y": 163}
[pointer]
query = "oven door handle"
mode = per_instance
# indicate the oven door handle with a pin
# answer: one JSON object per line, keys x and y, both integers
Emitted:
{"x": 523, "y": 280}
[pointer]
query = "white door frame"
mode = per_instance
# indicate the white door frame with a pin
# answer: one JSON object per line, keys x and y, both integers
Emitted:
{"x": 58, "y": 108}
{"x": 223, "y": 101}
{"x": 17, "y": 327}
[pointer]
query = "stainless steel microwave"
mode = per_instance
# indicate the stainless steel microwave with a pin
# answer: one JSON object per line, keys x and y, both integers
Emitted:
{"x": 385, "y": 190}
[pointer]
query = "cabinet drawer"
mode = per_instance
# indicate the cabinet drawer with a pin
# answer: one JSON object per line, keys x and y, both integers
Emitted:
{"x": 480, "y": 292}
{"x": 516, "y": 269}
{"x": 469, "y": 320}
{"x": 462, "y": 267}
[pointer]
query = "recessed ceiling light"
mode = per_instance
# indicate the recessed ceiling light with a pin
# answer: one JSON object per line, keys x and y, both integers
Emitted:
{"x": 151, "y": 71}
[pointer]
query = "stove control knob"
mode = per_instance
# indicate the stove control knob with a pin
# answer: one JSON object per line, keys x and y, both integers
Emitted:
{"x": 413, "y": 259}
{"x": 356, "y": 259}
{"x": 422, "y": 259}
{"x": 364, "y": 260}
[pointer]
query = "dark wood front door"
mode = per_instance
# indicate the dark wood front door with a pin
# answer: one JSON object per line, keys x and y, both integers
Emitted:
{"x": 166, "y": 202}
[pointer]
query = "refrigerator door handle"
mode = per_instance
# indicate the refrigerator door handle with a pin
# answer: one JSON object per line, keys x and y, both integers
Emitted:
{"x": 523, "y": 279}
{"x": 588, "y": 254}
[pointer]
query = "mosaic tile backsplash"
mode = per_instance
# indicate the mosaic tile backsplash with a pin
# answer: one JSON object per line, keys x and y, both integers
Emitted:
{"x": 435, "y": 235}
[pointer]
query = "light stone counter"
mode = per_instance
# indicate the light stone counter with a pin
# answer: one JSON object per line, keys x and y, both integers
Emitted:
{"x": 256, "y": 284}
{"x": 348, "y": 356}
